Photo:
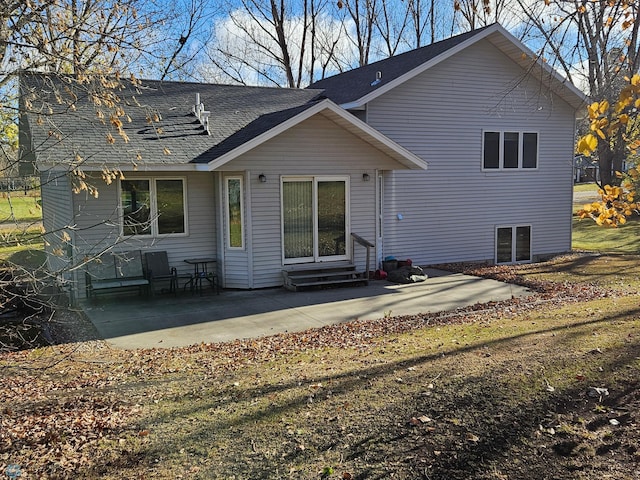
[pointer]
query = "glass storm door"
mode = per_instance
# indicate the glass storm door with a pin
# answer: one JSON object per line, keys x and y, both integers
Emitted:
{"x": 315, "y": 219}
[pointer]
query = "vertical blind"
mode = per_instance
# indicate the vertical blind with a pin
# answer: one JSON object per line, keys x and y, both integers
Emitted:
{"x": 297, "y": 203}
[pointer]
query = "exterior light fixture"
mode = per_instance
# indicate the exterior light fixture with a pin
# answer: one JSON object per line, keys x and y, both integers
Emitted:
{"x": 262, "y": 177}
{"x": 365, "y": 177}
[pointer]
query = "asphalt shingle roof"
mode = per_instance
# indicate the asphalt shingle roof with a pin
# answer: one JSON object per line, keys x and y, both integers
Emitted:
{"x": 354, "y": 84}
{"x": 161, "y": 119}
{"x": 238, "y": 114}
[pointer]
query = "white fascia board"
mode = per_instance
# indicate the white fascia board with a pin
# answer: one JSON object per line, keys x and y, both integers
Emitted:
{"x": 377, "y": 140}
{"x": 154, "y": 167}
{"x": 326, "y": 104}
{"x": 495, "y": 28}
{"x": 419, "y": 69}
{"x": 269, "y": 134}
{"x": 582, "y": 97}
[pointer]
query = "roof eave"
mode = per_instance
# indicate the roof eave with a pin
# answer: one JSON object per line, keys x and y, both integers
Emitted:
{"x": 526, "y": 58}
{"x": 342, "y": 118}
{"x": 360, "y": 102}
{"x": 572, "y": 95}
{"x": 372, "y": 136}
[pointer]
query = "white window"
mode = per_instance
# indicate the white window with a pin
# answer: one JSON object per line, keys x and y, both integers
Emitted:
{"x": 509, "y": 150}
{"x": 153, "y": 206}
{"x": 513, "y": 244}
{"x": 235, "y": 212}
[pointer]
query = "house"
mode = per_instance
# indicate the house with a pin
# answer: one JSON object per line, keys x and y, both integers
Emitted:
{"x": 585, "y": 169}
{"x": 457, "y": 151}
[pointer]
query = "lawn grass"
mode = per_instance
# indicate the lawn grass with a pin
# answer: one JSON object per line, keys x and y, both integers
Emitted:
{"x": 620, "y": 272}
{"x": 499, "y": 393}
{"x": 585, "y": 187}
{"x": 20, "y": 220}
{"x": 492, "y": 393}
{"x": 589, "y": 236}
{"x": 350, "y": 409}
{"x": 18, "y": 207}
{"x": 16, "y": 240}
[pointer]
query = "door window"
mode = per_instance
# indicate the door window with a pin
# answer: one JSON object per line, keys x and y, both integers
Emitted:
{"x": 315, "y": 219}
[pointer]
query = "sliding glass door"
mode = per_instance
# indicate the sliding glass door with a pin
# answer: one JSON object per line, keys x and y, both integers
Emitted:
{"x": 297, "y": 218}
{"x": 315, "y": 219}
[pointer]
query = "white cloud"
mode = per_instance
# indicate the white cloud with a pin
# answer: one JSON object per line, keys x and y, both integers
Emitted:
{"x": 244, "y": 49}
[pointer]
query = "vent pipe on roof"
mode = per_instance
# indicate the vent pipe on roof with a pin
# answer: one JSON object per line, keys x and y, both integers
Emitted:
{"x": 378, "y": 79}
{"x": 205, "y": 121}
{"x": 201, "y": 114}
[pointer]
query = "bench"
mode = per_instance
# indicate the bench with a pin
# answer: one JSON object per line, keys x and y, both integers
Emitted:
{"x": 116, "y": 271}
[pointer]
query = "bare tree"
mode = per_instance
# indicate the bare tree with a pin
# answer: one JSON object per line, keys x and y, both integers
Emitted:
{"x": 173, "y": 53}
{"x": 95, "y": 45}
{"x": 472, "y": 14}
{"x": 363, "y": 15}
{"x": 276, "y": 42}
{"x": 595, "y": 45}
{"x": 419, "y": 19}
{"x": 255, "y": 39}
{"x": 391, "y": 24}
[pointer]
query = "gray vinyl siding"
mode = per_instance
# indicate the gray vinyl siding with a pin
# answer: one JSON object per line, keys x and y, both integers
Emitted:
{"x": 450, "y": 212}
{"x": 98, "y": 223}
{"x": 315, "y": 147}
{"x": 57, "y": 217}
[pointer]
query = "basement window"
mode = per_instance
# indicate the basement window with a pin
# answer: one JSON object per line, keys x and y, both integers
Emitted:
{"x": 513, "y": 244}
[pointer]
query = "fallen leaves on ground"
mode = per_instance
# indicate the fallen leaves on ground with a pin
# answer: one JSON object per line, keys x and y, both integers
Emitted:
{"x": 60, "y": 402}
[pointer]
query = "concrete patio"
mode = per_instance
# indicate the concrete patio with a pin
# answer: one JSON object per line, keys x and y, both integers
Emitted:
{"x": 168, "y": 321}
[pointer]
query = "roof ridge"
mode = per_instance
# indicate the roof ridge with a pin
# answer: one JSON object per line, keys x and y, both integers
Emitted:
{"x": 143, "y": 81}
{"x": 455, "y": 39}
{"x": 354, "y": 84}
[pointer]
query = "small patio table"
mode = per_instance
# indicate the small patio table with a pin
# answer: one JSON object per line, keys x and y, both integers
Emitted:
{"x": 201, "y": 272}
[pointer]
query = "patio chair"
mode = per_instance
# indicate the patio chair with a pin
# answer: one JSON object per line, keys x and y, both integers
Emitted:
{"x": 158, "y": 270}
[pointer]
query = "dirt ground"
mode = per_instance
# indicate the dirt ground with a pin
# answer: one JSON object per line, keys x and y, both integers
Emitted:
{"x": 540, "y": 388}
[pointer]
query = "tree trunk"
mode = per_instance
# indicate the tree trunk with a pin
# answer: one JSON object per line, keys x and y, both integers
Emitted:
{"x": 611, "y": 160}
{"x": 278, "y": 22}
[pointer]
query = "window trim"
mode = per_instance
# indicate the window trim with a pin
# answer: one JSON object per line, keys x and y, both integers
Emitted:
{"x": 153, "y": 214}
{"x": 514, "y": 243}
{"x": 227, "y": 213}
{"x": 501, "y": 167}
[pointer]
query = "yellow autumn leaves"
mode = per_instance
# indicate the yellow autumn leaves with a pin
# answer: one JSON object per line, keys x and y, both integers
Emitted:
{"x": 612, "y": 210}
{"x": 609, "y": 123}
{"x": 587, "y": 144}
{"x": 616, "y": 203}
